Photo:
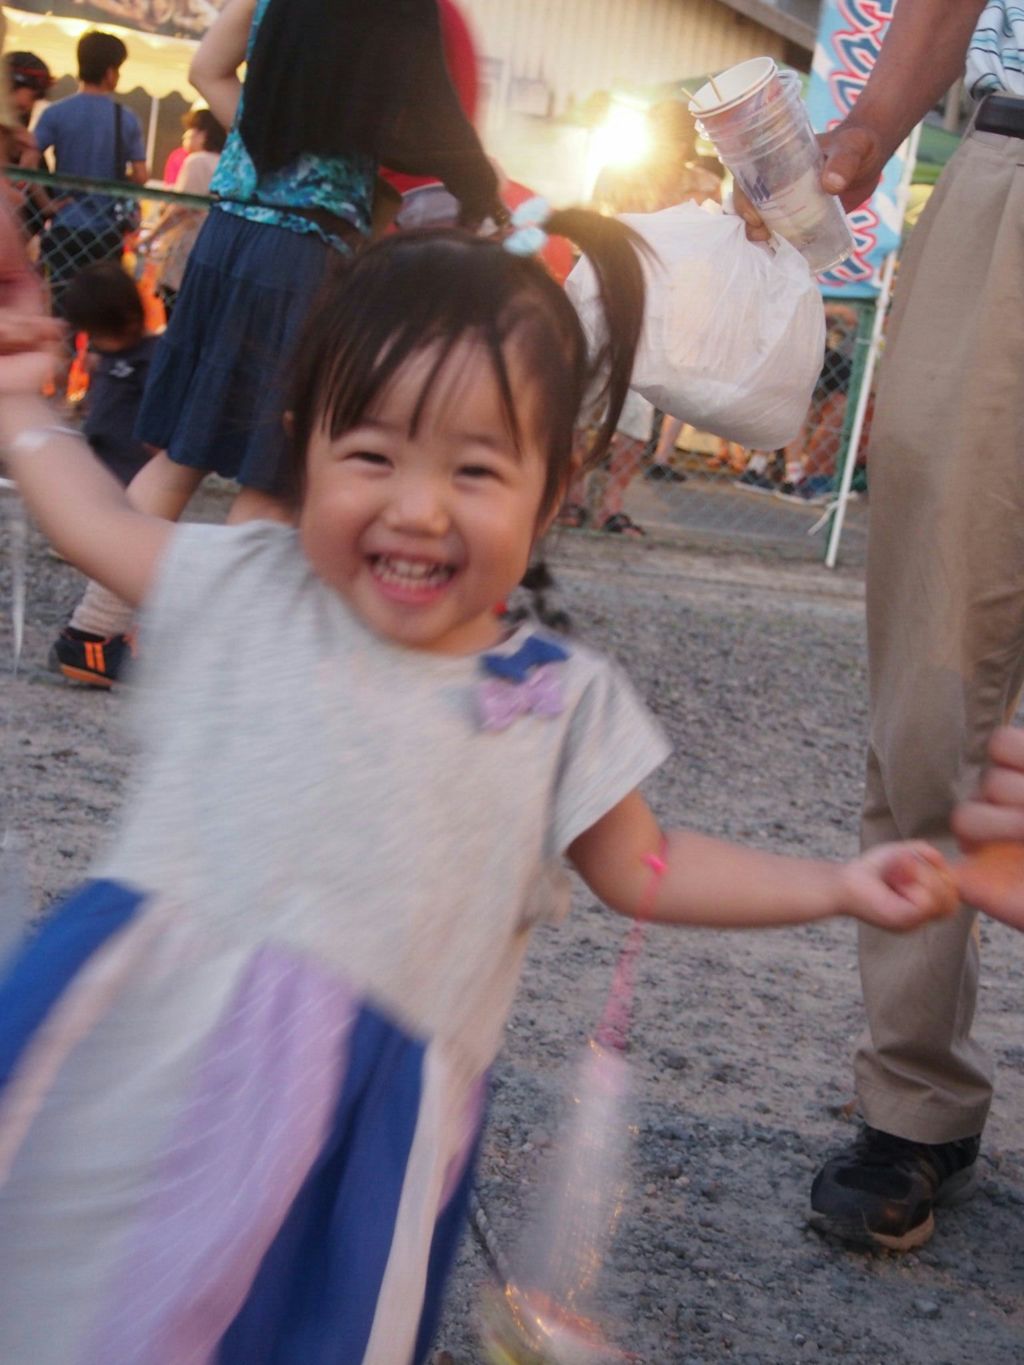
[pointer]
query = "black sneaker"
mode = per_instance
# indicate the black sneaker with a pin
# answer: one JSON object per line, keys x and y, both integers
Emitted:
{"x": 754, "y": 482}
{"x": 664, "y": 473}
{"x": 881, "y": 1190}
{"x": 87, "y": 658}
{"x": 817, "y": 488}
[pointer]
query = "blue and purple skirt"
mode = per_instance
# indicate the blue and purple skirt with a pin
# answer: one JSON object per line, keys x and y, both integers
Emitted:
{"x": 217, "y": 1155}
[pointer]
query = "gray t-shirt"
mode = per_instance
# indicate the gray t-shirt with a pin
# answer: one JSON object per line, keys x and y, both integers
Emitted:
{"x": 303, "y": 780}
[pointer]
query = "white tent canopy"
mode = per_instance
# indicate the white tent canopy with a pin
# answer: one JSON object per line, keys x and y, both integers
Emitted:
{"x": 156, "y": 63}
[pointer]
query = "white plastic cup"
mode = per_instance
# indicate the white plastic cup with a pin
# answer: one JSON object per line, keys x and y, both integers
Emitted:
{"x": 758, "y": 124}
{"x": 734, "y": 87}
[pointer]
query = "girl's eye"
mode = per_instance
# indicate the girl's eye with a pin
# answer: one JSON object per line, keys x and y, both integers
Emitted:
{"x": 370, "y": 457}
{"x": 477, "y": 471}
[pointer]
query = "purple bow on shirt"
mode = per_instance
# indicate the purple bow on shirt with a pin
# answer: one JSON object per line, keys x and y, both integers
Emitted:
{"x": 502, "y": 702}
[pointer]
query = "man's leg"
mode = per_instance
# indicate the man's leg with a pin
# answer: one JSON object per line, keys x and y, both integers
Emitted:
{"x": 946, "y": 644}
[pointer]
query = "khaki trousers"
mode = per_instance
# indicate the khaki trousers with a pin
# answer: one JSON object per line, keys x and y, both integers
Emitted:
{"x": 945, "y": 613}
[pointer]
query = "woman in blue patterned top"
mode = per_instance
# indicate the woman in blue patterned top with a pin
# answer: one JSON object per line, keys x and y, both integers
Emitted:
{"x": 333, "y": 88}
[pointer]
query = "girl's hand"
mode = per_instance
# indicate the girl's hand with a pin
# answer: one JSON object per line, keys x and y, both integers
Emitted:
{"x": 28, "y": 337}
{"x": 990, "y": 830}
{"x": 29, "y": 345}
{"x": 897, "y": 886}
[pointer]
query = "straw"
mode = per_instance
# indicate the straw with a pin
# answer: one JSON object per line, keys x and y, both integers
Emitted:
{"x": 714, "y": 87}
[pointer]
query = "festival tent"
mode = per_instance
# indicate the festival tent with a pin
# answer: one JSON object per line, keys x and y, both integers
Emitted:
{"x": 154, "y": 82}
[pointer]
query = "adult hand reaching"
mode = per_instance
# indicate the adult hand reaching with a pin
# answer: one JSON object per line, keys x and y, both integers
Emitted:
{"x": 990, "y": 830}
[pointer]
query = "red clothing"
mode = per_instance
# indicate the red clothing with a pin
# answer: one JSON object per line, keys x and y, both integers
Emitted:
{"x": 173, "y": 165}
{"x": 461, "y": 59}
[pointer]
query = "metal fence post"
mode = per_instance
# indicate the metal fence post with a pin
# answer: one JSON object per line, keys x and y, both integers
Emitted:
{"x": 865, "y": 309}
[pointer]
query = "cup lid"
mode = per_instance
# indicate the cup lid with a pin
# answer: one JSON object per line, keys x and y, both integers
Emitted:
{"x": 733, "y": 86}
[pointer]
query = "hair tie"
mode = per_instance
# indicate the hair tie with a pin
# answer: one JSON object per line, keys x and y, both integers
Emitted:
{"x": 528, "y": 236}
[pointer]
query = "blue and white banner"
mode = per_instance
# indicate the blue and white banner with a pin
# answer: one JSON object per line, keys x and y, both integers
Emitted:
{"x": 850, "y": 33}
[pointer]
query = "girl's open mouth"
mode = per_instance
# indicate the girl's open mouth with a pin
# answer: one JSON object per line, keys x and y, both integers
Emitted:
{"x": 410, "y": 579}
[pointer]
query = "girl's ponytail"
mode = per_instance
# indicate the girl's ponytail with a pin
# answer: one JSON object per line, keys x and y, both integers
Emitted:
{"x": 614, "y": 251}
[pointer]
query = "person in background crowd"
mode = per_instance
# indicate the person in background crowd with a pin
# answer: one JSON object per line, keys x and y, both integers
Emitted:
{"x": 30, "y": 79}
{"x": 605, "y": 486}
{"x": 173, "y": 163}
{"x": 14, "y": 141}
{"x": 177, "y": 226}
{"x": 104, "y": 302}
{"x": 945, "y": 591}
{"x": 90, "y": 134}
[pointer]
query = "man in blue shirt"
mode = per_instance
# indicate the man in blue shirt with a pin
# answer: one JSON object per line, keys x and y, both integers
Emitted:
{"x": 90, "y": 134}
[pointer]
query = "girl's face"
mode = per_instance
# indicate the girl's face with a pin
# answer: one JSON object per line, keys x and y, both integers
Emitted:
{"x": 423, "y": 535}
{"x": 194, "y": 140}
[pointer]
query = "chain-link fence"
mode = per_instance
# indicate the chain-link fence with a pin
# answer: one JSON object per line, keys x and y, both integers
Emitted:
{"x": 678, "y": 481}
{"x": 72, "y": 223}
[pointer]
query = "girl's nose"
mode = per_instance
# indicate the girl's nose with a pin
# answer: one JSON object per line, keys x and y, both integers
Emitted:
{"x": 418, "y": 506}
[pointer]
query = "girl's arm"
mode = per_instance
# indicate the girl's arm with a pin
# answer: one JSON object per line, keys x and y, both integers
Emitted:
{"x": 80, "y": 507}
{"x": 723, "y": 885}
{"x": 214, "y": 69}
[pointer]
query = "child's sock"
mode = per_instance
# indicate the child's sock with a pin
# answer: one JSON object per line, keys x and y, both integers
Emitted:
{"x": 101, "y": 613}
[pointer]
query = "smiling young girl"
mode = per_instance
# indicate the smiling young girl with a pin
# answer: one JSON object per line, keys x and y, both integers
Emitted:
{"x": 245, "y": 1063}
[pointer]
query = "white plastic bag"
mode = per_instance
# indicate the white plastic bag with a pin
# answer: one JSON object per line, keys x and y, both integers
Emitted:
{"x": 734, "y": 331}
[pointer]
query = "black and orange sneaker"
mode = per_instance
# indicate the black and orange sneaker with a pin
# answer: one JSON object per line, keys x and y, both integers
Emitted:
{"x": 881, "y": 1190}
{"x": 87, "y": 658}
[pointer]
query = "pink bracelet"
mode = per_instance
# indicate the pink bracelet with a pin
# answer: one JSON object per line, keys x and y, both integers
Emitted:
{"x": 613, "y": 1030}
{"x": 658, "y": 863}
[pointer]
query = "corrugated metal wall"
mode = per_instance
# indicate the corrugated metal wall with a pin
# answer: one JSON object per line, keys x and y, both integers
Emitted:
{"x": 541, "y": 53}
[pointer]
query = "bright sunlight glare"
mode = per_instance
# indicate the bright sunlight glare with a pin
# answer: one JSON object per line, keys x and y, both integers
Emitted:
{"x": 624, "y": 138}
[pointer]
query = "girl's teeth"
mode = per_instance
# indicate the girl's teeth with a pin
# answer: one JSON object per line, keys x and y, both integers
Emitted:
{"x": 412, "y": 570}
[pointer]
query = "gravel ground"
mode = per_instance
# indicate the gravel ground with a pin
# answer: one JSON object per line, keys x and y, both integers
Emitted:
{"x": 742, "y": 1043}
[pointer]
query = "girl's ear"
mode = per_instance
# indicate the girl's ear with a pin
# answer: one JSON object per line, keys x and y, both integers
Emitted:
{"x": 288, "y": 422}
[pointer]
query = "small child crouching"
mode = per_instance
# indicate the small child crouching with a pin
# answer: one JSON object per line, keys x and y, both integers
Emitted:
{"x": 104, "y": 302}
